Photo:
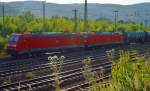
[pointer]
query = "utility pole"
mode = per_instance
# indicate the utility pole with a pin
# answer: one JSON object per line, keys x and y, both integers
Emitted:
{"x": 44, "y": 2}
{"x": 75, "y": 20}
{"x": 85, "y": 17}
{"x": 3, "y": 15}
{"x": 3, "y": 10}
{"x": 116, "y": 15}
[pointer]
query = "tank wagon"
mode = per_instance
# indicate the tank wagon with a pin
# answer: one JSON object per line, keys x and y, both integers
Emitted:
{"x": 33, "y": 43}
{"x": 135, "y": 37}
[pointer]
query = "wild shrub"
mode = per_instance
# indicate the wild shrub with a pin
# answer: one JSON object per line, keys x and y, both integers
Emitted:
{"x": 56, "y": 67}
{"x": 92, "y": 76}
{"x": 129, "y": 75}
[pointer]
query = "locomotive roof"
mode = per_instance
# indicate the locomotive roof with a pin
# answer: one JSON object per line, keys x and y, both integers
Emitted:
{"x": 66, "y": 34}
{"x": 53, "y": 34}
{"x": 105, "y": 33}
{"x": 16, "y": 34}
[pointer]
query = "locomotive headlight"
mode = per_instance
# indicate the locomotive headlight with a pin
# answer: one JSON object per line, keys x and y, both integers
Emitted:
{"x": 8, "y": 45}
{"x": 11, "y": 45}
{"x": 14, "y": 45}
{"x": 85, "y": 41}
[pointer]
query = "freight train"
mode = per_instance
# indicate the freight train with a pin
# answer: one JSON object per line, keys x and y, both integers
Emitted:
{"x": 32, "y": 43}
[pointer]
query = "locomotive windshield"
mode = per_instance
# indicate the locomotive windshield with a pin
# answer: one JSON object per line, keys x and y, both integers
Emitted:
{"x": 13, "y": 38}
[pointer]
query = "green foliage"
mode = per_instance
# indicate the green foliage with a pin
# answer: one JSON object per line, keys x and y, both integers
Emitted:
{"x": 2, "y": 43}
{"x": 31, "y": 23}
{"x": 126, "y": 74}
{"x": 29, "y": 75}
{"x": 129, "y": 76}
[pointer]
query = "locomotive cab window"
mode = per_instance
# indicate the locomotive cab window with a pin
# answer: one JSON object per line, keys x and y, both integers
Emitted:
{"x": 13, "y": 38}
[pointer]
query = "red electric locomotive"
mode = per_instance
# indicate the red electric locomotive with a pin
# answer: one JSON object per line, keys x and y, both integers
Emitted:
{"x": 42, "y": 42}
{"x": 104, "y": 38}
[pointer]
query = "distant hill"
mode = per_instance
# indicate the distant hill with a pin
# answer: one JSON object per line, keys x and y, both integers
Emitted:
{"x": 136, "y": 12}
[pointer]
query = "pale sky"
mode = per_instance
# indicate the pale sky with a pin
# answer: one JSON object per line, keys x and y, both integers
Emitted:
{"x": 124, "y": 2}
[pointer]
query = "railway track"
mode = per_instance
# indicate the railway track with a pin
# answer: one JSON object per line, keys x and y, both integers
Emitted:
{"x": 23, "y": 62}
{"x": 28, "y": 83}
{"x": 76, "y": 63}
{"x": 43, "y": 66}
{"x": 43, "y": 60}
{"x": 65, "y": 76}
{"x": 12, "y": 64}
{"x": 11, "y": 72}
{"x": 31, "y": 62}
{"x": 36, "y": 67}
{"x": 84, "y": 86}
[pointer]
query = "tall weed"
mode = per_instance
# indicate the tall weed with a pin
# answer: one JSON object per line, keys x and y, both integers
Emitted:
{"x": 129, "y": 75}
